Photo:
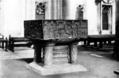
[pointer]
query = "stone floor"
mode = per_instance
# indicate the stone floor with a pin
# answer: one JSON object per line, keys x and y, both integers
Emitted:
{"x": 99, "y": 64}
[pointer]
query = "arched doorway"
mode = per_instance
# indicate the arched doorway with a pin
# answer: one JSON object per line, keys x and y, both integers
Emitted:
{"x": 106, "y": 19}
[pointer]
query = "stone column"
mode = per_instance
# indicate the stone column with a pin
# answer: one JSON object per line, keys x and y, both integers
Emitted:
{"x": 116, "y": 46}
{"x": 52, "y": 9}
{"x": 48, "y": 54}
{"x": 56, "y": 9}
{"x": 74, "y": 53}
{"x": 37, "y": 53}
{"x": 59, "y": 14}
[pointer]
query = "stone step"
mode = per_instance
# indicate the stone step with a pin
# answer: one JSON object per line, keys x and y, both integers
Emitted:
{"x": 61, "y": 50}
{"x": 56, "y": 69}
{"x": 60, "y": 56}
{"x": 60, "y": 47}
{"x": 60, "y": 53}
{"x": 60, "y": 61}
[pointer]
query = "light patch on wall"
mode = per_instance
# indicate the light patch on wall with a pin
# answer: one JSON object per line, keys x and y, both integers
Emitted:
{"x": 92, "y": 17}
{"x": 72, "y": 8}
{"x": 13, "y": 13}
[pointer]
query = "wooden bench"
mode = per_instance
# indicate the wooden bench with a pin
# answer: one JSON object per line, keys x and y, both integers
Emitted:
{"x": 3, "y": 42}
{"x": 100, "y": 40}
{"x": 18, "y": 42}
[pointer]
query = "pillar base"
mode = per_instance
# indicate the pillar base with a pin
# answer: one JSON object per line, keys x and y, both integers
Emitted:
{"x": 56, "y": 69}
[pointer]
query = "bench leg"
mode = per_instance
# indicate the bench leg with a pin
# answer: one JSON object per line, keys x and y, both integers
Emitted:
{"x": 85, "y": 42}
{"x": 100, "y": 44}
{"x": 6, "y": 45}
{"x": 88, "y": 43}
{"x": 109, "y": 42}
{"x": 11, "y": 46}
{"x": 2, "y": 45}
{"x": 95, "y": 44}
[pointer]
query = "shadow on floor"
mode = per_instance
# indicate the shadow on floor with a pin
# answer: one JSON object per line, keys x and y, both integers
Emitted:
{"x": 27, "y": 60}
{"x": 105, "y": 52}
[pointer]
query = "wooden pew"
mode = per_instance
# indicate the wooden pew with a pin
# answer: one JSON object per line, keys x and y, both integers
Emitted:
{"x": 18, "y": 42}
{"x": 3, "y": 42}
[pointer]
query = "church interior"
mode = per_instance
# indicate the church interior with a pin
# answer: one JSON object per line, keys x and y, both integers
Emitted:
{"x": 59, "y": 39}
